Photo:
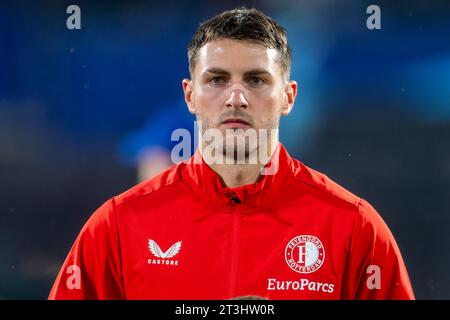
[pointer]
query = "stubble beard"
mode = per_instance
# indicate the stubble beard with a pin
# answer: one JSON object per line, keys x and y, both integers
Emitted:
{"x": 241, "y": 146}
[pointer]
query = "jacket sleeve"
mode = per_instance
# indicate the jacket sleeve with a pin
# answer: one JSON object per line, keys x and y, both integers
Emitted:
{"x": 375, "y": 267}
{"x": 92, "y": 269}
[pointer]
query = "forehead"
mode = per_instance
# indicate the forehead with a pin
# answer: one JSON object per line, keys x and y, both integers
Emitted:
{"x": 236, "y": 56}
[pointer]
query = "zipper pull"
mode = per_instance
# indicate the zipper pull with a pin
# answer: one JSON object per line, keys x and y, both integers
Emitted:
{"x": 235, "y": 199}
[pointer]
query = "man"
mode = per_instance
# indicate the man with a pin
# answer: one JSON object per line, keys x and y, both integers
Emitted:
{"x": 241, "y": 217}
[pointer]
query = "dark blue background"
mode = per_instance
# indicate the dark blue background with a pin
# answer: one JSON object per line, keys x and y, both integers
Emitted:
{"x": 76, "y": 106}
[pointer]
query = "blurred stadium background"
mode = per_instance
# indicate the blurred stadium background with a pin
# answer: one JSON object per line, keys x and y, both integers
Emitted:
{"x": 81, "y": 109}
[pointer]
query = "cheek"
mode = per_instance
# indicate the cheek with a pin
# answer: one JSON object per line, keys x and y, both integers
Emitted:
{"x": 270, "y": 95}
{"x": 208, "y": 105}
{"x": 207, "y": 99}
{"x": 267, "y": 104}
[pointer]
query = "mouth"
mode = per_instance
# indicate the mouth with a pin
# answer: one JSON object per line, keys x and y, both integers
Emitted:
{"x": 235, "y": 123}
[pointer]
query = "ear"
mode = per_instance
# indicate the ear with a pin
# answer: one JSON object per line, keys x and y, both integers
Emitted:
{"x": 188, "y": 87}
{"x": 290, "y": 92}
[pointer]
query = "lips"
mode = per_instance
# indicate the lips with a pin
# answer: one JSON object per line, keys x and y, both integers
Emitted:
{"x": 235, "y": 123}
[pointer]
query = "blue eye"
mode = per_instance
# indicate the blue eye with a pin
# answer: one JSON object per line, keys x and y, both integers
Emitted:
{"x": 216, "y": 80}
{"x": 255, "y": 81}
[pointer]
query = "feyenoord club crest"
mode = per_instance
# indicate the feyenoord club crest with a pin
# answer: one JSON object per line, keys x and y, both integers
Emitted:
{"x": 304, "y": 254}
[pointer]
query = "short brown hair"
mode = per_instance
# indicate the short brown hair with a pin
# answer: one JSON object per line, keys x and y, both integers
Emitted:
{"x": 243, "y": 24}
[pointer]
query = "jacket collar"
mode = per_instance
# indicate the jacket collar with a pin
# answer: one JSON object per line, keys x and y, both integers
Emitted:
{"x": 261, "y": 195}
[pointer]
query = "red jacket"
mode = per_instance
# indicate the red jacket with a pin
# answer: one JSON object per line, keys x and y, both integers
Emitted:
{"x": 182, "y": 235}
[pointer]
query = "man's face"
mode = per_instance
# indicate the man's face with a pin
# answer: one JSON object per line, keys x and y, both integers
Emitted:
{"x": 238, "y": 85}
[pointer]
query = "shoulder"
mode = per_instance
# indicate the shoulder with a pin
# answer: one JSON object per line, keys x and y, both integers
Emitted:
{"x": 326, "y": 191}
{"x": 167, "y": 181}
{"x": 150, "y": 191}
{"x": 321, "y": 186}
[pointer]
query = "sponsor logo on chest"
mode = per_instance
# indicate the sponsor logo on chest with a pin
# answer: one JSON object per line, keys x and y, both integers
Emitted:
{"x": 164, "y": 258}
{"x": 304, "y": 254}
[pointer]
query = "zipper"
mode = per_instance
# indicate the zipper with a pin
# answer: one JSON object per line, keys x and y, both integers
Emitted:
{"x": 235, "y": 247}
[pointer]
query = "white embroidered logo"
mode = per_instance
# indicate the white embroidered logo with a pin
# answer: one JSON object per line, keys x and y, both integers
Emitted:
{"x": 157, "y": 252}
{"x": 304, "y": 254}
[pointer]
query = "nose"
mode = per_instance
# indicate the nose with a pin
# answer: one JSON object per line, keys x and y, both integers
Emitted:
{"x": 236, "y": 99}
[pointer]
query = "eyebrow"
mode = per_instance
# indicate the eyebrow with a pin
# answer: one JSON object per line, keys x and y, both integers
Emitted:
{"x": 253, "y": 72}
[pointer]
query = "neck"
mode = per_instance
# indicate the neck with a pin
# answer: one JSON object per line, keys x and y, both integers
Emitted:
{"x": 236, "y": 175}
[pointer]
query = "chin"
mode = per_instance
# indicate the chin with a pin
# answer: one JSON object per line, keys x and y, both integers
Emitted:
{"x": 231, "y": 149}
